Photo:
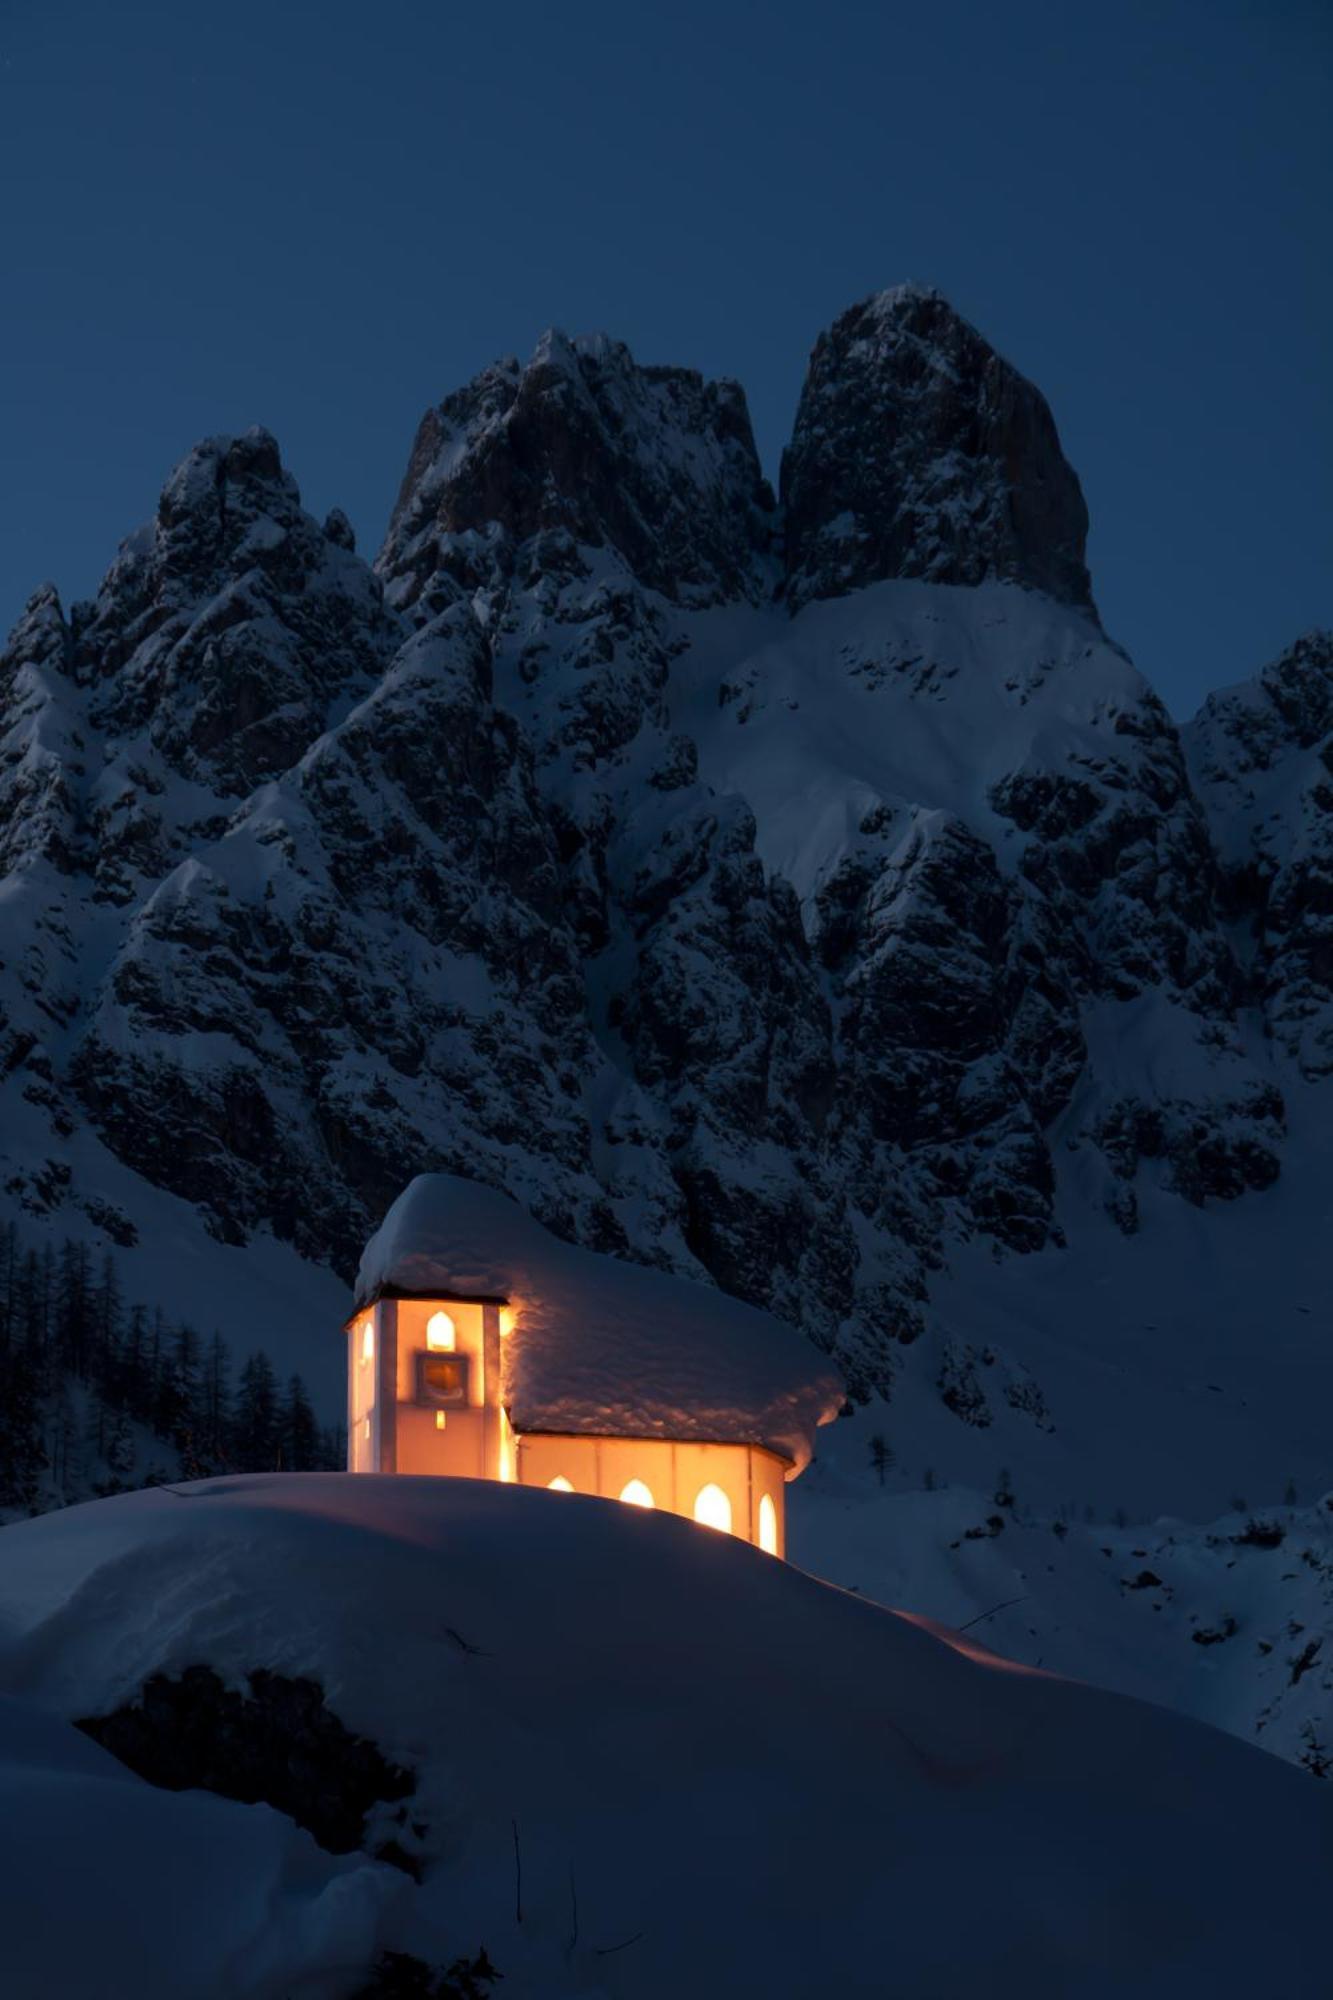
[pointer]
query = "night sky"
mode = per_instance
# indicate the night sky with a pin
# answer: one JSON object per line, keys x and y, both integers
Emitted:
{"x": 323, "y": 218}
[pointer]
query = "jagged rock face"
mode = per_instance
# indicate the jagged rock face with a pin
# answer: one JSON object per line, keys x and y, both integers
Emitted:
{"x": 582, "y": 447}
{"x": 919, "y": 452}
{"x": 227, "y": 628}
{"x": 376, "y": 946}
{"x": 1262, "y": 758}
{"x": 39, "y": 752}
{"x": 319, "y": 880}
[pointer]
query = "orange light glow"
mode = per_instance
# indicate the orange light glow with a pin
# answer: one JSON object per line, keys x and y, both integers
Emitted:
{"x": 507, "y": 1456}
{"x": 768, "y": 1525}
{"x": 440, "y": 1420}
{"x": 441, "y": 1333}
{"x": 636, "y": 1494}
{"x": 712, "y": 1509}
{"x": 559, "y": 1484}
{"x": 367, "y": 1340}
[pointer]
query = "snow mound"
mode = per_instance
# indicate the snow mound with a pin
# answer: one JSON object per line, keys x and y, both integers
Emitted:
{"x": 718, "y": 1776}
{"x": 600, "y": 1345}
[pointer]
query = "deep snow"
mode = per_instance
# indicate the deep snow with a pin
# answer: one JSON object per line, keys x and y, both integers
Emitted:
{"x": 725, "y": 1777}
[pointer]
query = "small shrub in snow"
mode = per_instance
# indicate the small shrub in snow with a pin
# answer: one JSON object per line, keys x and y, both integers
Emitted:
{"x": 881, "y": 1456}
{"x": 399, "y": 1975}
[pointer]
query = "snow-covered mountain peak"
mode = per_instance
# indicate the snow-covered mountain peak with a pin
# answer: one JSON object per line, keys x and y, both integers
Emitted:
{"x": 919, "y": 452}
{"x": 227, "y": 625}
{"x": 40, "y": 634}
{"x": 583, "y": 447}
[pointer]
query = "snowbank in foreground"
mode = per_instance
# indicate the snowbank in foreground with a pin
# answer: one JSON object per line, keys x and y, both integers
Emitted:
{"x": 724, "y": 1778}
{"x": 599, "y": 1344}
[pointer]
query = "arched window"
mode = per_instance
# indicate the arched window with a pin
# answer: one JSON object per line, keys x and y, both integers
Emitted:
{"x": 559, "y": 1484}
{"x": 768, "y": 1525}
{"x": 367, "y": 1340}
{"x": 636, "y": 1494}
{"x": 712, "y": 1509}
{"x": 441, "y": 1333}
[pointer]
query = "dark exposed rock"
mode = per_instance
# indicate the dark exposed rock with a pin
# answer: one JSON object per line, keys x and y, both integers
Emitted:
{"x": 919, "y": 452}
{"x": 279, "y": 1745}
{"x": 1261, "y": 755}
{"x": 570, "y": 450}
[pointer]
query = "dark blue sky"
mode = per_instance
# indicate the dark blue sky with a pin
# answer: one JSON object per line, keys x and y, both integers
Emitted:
{"x": 323, "y": 217}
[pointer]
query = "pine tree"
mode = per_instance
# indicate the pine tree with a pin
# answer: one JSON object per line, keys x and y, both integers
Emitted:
{"x": 63, "y": 1452}
{"x": 180, "y": 1398}
{"x": 23, "y": 1455}
{"x": 256, "y": 1441}
{"x": 108, "y": 1321}
{"x": 215, "y": 1404}
{"x": 131, "y": 1373}
{"x": 300, "y": 1433}
{"x": 119, "y": 1449}
{"x": 73, "y": 1293}
{"x": 11, "y": 1270}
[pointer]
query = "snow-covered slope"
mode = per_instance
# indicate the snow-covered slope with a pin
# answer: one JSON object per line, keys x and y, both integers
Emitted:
{"x": 645, "y": 1760}
{"x": 807, "y": 898}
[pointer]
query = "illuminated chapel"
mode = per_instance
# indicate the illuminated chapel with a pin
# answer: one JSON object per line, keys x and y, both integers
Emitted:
{"x": 483, "y": 1347}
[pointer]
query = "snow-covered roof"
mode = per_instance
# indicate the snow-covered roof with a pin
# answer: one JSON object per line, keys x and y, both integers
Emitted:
{"x": 598, "y": 1345}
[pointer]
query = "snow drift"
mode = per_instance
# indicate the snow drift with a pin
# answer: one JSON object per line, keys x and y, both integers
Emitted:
{"x": 649, "y": 1761}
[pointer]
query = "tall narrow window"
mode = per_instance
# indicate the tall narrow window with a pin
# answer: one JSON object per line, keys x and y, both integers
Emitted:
{"x": 636, "y": 1494}
{"x": 712, "y": 1509}
{"x": 441, "y": 1333}
{"x": 367, "y": 1340}
{"x": 768, "y": 1525}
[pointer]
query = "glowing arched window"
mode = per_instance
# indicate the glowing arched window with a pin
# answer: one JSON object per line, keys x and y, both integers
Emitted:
{"x": 636, "y": 1494}
{"x": 768, "y": 1525}
{"x": 367, "y": 1340}
{"x": 559, "y": 1484}
{"x": 712, "y": 1509}
{"x": 441, "y": 1333}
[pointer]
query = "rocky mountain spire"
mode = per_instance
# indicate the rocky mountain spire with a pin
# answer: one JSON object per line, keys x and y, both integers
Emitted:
{"x": 584, "y": 446}
{"x": 226, "y": 625}
{"x": 919, "y": 452}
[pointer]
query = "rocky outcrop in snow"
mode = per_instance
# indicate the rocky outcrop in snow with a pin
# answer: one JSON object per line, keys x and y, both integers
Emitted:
{"x": 1262, "y": 757}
